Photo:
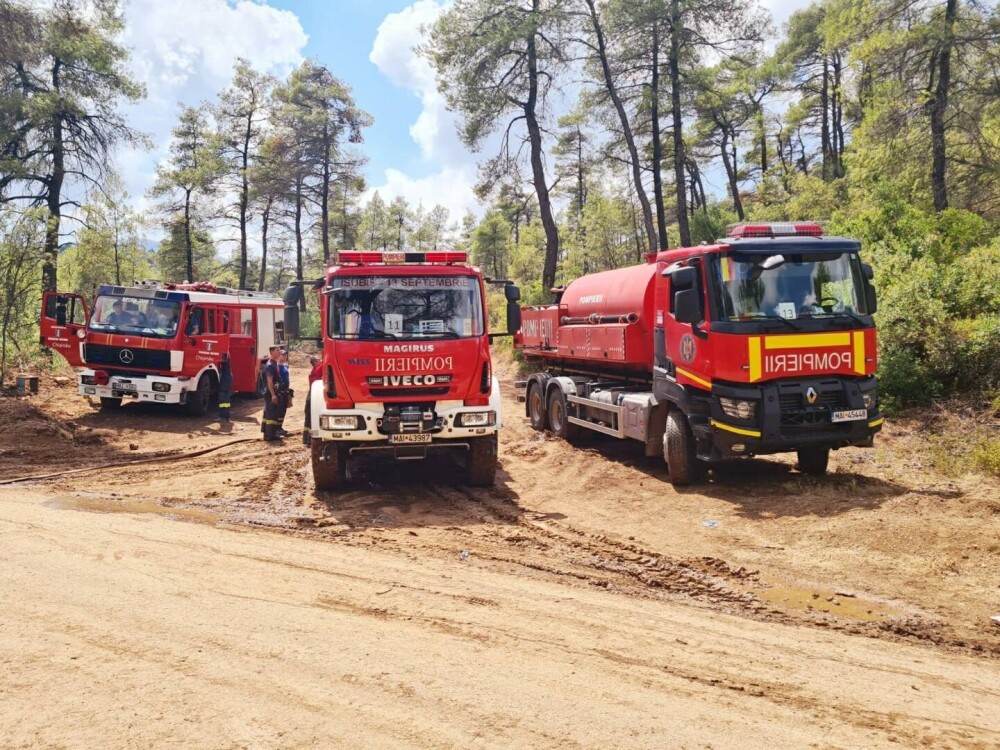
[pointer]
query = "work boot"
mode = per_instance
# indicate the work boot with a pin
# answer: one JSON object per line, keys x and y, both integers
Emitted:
{"x": 306, "y": 437}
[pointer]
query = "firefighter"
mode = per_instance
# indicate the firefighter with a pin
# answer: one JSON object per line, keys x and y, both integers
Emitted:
{"x": 276, "y": 397}
{"x": 225, "y": 388}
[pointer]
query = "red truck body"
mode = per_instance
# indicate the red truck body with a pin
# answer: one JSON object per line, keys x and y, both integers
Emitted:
{"x": 769, "y": 347}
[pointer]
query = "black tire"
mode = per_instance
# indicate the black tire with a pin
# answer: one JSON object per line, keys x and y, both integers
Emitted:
{"x": 482, "y": 466}
{"x": 329, "y": 465}
{"x": 108, "y": 403}
{"x": 813, "y": 461}
{"x": 536, "y": 407}
{"x": 199, "y": 399}
{"x": 558, "y": 414}
{"x": 679, "y": 451}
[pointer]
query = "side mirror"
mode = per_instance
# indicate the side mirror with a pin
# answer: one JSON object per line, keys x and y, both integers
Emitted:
{"x": 292, "y": 297}
{"x": 687, "y": 306}
{"x": 871, "y": 298}
{"x": 512, "y": 292}
{"x": 513, "y": 316}
{"x": 61, "y": 311}
{"x": 866, "y": 269}
{"x": 684, "y": 278}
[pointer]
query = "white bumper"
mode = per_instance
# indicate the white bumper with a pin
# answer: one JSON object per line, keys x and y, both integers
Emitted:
{"x": 372, "y": 412}
{"x": 138, "y": 389}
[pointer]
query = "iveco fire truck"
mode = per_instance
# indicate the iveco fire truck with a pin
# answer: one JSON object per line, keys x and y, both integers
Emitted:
{"x": 762, "y": 342}
{"x": 406, "y": 362}
{"x": 162, "y": 343}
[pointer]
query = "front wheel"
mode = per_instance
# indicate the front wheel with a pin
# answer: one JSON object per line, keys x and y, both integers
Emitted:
{"x": 559, "y": 417}
{"x": 679, "y": 451}
{"x": 198, "y": 399}
{"x": 482, "y": 466}
{"x": 329, "y": 465}
{"x": 813, "y": 461}
{"x": 108, "y": 403}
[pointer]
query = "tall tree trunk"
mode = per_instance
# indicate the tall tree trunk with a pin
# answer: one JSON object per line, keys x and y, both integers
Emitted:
{"x": 661, "y": 216}
{"x": 678, "y": 122}
{"x": 647, "y": 213}
{"x": 537, "y": 169}
{"x": 189, "y": 249}
{"x": 763, "y": 139}
{"x": 938, "y": 106}
{"x": 838, "y": 116}
{"x": 580, "y": 184}
{"x": 53, "y": 198}
{"x": 824, "y": 103}
{"x": 265, "y": 223}
{"x": 245, "y": 200}
{"x": 118, "y": 265}
{"x": 697, "y": 186}
{"x": 325, "y": 195}
{"x": 728, "y": 161}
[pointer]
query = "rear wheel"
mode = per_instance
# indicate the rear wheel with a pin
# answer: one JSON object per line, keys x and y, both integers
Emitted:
{"x": 559, "y": 417}
{"x": 679, "y": 450}
{"x": 329, "y": 465}
{"x": 814, "y": 461}
{"x": 482, "y": 467}
{"x": 536, "y": 407}
{"x": 109, "y": 403}
{"x": 199, "y": 398}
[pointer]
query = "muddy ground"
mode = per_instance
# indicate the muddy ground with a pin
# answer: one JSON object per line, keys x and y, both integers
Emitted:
{"x": 582, "y": 602}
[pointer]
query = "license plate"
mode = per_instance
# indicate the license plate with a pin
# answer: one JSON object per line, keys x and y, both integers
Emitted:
{"x": 416, "y": 437}
{"x": 115, "y": 393}
{"x": 849, "y": 415}
{"x": 124, "y": 386}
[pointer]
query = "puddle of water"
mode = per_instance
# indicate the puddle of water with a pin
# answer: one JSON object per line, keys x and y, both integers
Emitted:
{"x": 131, "y": 505}
{"x": 819, "y": 600}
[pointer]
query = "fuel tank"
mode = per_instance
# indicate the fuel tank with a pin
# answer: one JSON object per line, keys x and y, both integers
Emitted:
{"x": 602, "y": 321}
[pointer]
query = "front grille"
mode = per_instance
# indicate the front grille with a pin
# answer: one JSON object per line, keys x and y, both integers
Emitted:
{"x": 394, "y": 392}
{"x": 110, "y": 356}
{"x": 798, "y": 417}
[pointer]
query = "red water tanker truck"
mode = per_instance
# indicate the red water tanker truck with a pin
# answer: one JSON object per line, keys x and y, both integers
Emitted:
{"x": 760, "y": 343}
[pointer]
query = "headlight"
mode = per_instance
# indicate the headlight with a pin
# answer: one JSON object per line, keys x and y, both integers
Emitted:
{"x": 335, "y": 422}
{"x": 738, "y": 408}
{"x": 476, "y": 419}
{"x": 161, "y": 387}
{"x": 88, "y": 380}
{"x": 869, "y": 399}
{"x": 80, "y": 333}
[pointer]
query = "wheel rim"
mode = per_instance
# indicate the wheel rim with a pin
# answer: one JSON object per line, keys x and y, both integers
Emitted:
{"x": 536, "y": 406}
{"x": 556, "y": 415}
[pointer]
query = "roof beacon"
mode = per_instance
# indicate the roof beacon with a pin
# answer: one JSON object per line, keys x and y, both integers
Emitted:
{"x": 364, "y": 257}
{"x": 776, "y": 229}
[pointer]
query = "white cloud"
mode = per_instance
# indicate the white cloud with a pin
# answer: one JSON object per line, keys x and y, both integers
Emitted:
{"x": 452, "y": 187}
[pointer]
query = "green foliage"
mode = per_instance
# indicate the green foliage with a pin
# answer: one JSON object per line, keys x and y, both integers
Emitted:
{"x": 710, "y": 224}
{"x": 172, "y": 254}
{"x": 21, "y": 238}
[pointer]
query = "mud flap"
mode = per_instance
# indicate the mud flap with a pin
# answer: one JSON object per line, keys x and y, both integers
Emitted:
{"x": 63, "y": 324}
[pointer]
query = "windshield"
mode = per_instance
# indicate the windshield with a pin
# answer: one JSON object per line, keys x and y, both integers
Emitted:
{"x": 405, "y": 307}
{"x": 790, "y": 285}
{"x": 154, "y": 318}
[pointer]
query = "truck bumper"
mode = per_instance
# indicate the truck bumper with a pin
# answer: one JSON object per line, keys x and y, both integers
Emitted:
{"x": 730, "y": 441}
{"x": 167, "y": 390}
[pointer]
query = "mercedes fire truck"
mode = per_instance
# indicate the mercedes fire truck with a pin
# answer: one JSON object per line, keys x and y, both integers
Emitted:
{"x": 762, "y": 342}
{"x": 406, "y": 362}
{"x": 162, "y": 343}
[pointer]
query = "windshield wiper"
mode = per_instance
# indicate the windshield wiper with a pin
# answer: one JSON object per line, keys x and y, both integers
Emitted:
{"x": 441, "y": 334}
{"x": 861, "y": 321}
{"x": 786, "y": 321}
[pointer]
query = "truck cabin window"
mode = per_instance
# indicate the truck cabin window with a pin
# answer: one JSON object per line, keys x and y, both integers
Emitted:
{"x": 790, "y": 286}
{"x": 405, "y": 307}
{"x": 153, "y": 318}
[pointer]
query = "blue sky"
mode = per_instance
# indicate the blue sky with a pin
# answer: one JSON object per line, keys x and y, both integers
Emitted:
{"x": 184, "y": 50}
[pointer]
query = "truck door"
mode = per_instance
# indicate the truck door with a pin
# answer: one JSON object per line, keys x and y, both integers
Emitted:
{"x": 207, "y": 334}
{"x": 64, "y": 318}
{"x": 686, "y": 339}
{"x": 243, "y": 349}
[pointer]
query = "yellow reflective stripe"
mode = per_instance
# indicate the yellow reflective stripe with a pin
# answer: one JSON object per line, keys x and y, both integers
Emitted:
{"x": 807, "y": 340}
{"x": 695, "y": 378}
{"x": 223, "y": 406}
{"x": 737, "y": 430}
{"x": 727, "y": 274}
{"x": 859, "y": 352}
{"x": 755, "y": 369}
{"x": 877, "y": 422}
{"x": 270, "y": 421}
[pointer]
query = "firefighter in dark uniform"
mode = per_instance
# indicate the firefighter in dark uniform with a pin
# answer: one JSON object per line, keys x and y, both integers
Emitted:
{"x": 276, "y": 397}
{"x": 225, "y": 388}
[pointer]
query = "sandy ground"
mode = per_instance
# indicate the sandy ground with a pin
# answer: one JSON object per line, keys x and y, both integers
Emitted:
{"x": 220, "y": 602}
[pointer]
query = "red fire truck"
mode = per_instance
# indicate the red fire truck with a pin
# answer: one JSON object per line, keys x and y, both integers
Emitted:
{"x": 760, "y": 343}
{"x": 406, "y": 362}
{"x": 162, "y": 342}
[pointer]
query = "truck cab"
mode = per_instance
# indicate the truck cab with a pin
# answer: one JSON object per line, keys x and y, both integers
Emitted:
{"x": 406, "y": 363}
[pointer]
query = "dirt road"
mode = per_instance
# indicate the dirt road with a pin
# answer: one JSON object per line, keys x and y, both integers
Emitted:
{"x": 581, "y": 603}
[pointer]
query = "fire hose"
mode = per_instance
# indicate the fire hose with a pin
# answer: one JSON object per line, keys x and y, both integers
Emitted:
{"x": 134, "y": 462}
